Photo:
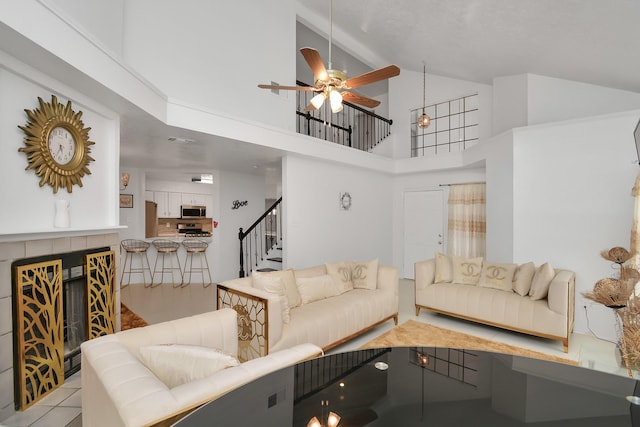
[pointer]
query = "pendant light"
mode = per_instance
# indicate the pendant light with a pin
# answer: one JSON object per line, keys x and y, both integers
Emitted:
{"x": 424, "y": 120}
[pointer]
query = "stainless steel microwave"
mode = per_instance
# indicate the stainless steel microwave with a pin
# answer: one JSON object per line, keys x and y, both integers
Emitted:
{"x": 189, "y": 211}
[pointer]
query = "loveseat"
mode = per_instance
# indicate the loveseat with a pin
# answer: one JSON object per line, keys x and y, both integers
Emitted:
{"x": 537, "y": 301}
{"x": 120, "y": 388}
{"x": 325, "y": 305}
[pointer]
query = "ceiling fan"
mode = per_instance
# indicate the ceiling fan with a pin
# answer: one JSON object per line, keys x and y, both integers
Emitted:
{"x": 334, "y": 84}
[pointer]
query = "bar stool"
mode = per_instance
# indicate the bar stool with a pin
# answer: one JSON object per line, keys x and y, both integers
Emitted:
{"x": 135, "y": 248}
{"x": 166, "y": 248}
{"x": 196, "y": 247}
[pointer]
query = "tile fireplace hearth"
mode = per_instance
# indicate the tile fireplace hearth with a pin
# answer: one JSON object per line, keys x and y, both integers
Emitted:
{"x": 13, "y": 253}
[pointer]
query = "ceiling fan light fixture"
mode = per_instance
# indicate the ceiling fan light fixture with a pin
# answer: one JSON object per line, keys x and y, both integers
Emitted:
{"x": 335, "y": 98}
{"x": 318, "y": 100}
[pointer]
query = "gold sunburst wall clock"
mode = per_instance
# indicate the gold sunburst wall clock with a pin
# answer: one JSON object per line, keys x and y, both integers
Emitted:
{"x": 57, "y": 144}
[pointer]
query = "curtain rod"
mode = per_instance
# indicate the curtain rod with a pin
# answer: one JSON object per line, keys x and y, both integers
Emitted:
{"x": 463, "y": 183}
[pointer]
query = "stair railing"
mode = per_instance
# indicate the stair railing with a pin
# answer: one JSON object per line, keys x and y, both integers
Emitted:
{"x": 353, "y": 127}
{"x": 260, "y": 238}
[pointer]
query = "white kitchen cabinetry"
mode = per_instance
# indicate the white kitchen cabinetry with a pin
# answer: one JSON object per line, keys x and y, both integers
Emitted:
{"x": 168, "y": 203}
{"x": 199, "y": 200}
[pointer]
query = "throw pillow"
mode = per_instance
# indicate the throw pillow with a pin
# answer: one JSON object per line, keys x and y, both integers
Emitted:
{"x": 364, "y": 275}
{"x": 317, "y": 288}
{"x": 288, "y": 280}
{"x": 341, "y": 274}
{"x": 523, "y": 278}
{"x": 466, "y": 270}
{"x": 272, "y": 283}
{"x": 444, "y": 270}
{"x": 541, "y": 282}
{"x": 176, "y": 364}
{"x": 497, "y": 276}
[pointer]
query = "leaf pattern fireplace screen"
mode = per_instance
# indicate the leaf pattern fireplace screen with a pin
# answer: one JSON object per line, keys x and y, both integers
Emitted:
{"x": 39, "y": 337}
{"x": 39, "y": 330}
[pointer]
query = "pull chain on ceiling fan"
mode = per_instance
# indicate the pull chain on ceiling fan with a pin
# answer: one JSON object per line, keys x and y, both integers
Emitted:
{"x": 333, "y": 84}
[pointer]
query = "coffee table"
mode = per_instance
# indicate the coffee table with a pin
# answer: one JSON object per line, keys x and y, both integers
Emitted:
{"x": 426, "y": 386}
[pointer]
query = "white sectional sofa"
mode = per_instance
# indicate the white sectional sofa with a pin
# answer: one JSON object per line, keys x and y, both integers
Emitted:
{"x": 119, "y": 387}
{"x": 536, "y": 301}
{"x": 325, "y": 305}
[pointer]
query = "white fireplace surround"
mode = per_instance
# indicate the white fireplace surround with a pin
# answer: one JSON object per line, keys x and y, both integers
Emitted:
{"x": 15, "y": 250}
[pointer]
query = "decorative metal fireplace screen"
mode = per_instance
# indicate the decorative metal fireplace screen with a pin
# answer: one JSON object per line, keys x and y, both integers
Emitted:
{"x": 59, "y": 301}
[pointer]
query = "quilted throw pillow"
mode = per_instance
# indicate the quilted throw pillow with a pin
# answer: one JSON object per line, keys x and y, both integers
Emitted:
{"x": 466, "y": 270}
{"x": 273, "y": 283}
{"x": 444, "y": 272}
{"x": 176, "y": 364}
{"x": 317, "y": 288}
{"x": 340, "y": 272}
{"x": 541, "y": 282}
{"x": 523, "y": 277}
{"x": 497, "y": 276}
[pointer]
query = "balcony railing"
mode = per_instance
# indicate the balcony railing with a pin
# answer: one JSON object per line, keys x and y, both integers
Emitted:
{"x": 453, "y": 128}
{"x": 352, "y": 127}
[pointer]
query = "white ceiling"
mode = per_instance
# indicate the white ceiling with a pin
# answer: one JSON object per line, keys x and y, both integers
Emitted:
{"x": 592, "y": 41}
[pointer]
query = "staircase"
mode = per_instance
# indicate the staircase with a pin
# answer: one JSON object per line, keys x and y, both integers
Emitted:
{"x": 261, "y": 244}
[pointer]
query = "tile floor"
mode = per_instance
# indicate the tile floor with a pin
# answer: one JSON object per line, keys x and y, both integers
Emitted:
{"x": 63, "y": 407}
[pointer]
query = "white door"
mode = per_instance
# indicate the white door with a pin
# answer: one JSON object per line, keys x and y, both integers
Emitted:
{"x": 423, "y": 227}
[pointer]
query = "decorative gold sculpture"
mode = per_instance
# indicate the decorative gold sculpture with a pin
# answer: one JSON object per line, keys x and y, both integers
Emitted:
{"x": 57, "y": 144}
{"x": 39, "y": 331}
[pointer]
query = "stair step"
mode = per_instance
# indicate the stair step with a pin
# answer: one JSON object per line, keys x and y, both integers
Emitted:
{"x": 275, "y": 259}
{"x": 266, "y": 269}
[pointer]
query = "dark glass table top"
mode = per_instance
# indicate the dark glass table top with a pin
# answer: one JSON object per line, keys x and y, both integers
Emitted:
{"x": 427, "y": 386}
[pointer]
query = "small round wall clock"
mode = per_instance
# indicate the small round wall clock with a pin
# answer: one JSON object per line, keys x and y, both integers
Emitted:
{"x": 345, "y": 201}
{"x": 57, "y": 145}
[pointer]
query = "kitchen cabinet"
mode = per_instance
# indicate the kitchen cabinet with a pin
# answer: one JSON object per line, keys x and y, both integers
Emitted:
{"x": 199, "y": 200}
{"x": 168, "y": 203}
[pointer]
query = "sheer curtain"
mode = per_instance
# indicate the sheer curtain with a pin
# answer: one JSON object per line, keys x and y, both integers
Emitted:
{"x": 467, "y": 223}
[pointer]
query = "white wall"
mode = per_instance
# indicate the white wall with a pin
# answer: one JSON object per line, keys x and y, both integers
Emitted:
{"x": 406, "y": 93}
{"x": 317, "y": 231}
{"x": 134, "y": 218}
{"x": 94, "y": 205}
{"x": 551, "y": 99}
{"x": 226, "y": 246}
{"x": 509, "y": 103}
{"x": 572, "y": 197}
{"x": 215, "y": 58}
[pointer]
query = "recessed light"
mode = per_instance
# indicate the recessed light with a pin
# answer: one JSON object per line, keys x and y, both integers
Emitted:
{"x": 381, "y": 366}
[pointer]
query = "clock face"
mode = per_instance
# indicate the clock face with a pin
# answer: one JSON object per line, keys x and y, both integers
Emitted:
{"x": 62, "y": 145}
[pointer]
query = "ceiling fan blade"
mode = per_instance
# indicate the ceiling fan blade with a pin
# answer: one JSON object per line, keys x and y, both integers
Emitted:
{"x": 360, "y": 99}
{"x": 314, "y": 60}
{"x": 307, "y": 88}
{"x": 373, "y": 76}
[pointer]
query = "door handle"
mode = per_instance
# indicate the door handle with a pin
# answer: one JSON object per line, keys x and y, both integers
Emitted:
{"x": 439, "y": 242}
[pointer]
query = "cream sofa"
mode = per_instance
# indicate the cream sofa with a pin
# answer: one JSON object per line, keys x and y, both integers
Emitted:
{"x": 271, "y": 321}
{"x": 119, "y": 390}
{"x": 547, "y": 312}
